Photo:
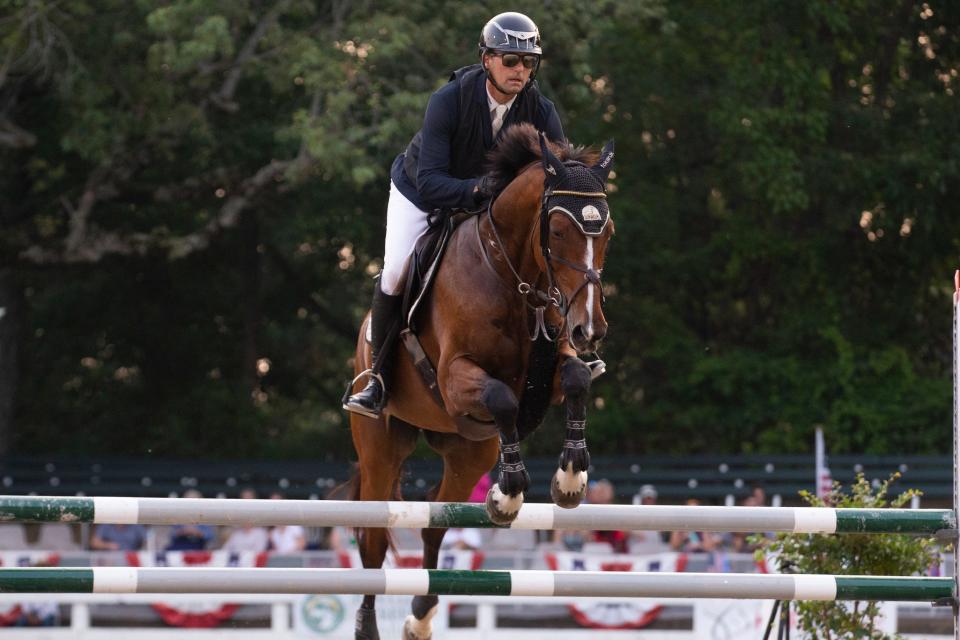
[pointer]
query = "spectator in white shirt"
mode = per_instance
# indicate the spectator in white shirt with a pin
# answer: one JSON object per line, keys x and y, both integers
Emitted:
{"x": 286, "y": 539}
{"x": 247, "y": 537}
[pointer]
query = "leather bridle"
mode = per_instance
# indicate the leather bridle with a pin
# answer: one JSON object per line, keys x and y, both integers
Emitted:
{"x": 552, "y": 296}
{"x": 590, "y": 275}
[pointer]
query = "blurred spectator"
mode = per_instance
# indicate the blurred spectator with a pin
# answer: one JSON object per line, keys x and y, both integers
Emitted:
{"x": 470, "y": 539}
{"x": 646, "y": 495}
{"x": 570, "y": 540}
{"x": 694, "y": 541}
{"x": 118, "y": 537}
{"x": 602, "y": 492}
{"x": 38, "y": 614}
{"x": 757, "y": 497}
{"x": 247, "y": 537}
{"x": 738, "y": 542}
{"x": 286, "y": 538}
{"x": 191, "y": 537}
{"x": 647, "y": 542}
{"x": 598, "y": 492}
{"x": 341, "y": 539}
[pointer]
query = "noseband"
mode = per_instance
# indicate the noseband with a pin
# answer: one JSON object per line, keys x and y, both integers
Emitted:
{"x": 552, "y": 296}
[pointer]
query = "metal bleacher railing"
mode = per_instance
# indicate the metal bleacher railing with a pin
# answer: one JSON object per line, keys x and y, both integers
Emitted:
{"x": 711, "y": 478}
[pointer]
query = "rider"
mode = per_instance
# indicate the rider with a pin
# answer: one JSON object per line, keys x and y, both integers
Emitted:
{"x": 442, "y": 167}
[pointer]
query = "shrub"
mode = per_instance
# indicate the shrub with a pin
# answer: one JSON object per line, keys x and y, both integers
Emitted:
{"x": 850, "y": 554}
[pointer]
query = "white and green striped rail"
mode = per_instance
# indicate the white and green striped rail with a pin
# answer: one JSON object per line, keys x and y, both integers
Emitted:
{"x": 478, "y": 583}
{"x": 418, "y": 515}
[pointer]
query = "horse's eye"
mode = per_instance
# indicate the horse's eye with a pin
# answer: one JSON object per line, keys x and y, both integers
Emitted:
{"x": 556, "y": 233}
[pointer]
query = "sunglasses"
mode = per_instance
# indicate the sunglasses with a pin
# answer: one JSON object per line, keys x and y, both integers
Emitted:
{"x": 513, "y": 59}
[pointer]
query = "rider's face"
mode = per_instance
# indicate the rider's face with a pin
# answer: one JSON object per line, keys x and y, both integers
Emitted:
{"x": 510, "y": 79}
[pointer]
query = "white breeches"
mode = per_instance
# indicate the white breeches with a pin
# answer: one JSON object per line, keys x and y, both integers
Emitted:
{"x": 405, "y": 223}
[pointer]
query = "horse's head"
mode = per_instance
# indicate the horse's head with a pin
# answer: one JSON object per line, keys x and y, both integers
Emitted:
{"x": 575, "y": 229}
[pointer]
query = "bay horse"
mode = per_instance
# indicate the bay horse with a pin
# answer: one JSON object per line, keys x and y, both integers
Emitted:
{"x": 516, "y": 298}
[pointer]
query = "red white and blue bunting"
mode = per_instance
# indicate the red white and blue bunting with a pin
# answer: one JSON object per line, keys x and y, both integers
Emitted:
{"x": 448, "y": 559}
{"x": 634, "y": 614}
{"x": 201, "y": 614}
{"x": 10, "y": 614}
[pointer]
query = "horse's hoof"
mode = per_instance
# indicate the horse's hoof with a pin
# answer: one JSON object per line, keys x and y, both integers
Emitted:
{"x": 366, "y": 626}
{"x": 414, "y": 629}
{"x": 501, "y": 508}
{"x": 568, "y": 489}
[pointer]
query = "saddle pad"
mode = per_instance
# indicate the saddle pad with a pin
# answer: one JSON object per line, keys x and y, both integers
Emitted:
{"x": 423, "y": 265}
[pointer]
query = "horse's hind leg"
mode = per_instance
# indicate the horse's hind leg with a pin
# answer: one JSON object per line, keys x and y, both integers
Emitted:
{"x": 381, "y": 447}
{"x": 570, "y": 481}
{"x": 464, "y": 462}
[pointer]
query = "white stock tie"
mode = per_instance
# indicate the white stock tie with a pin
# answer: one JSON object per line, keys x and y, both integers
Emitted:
{"x": 499, "y": 112}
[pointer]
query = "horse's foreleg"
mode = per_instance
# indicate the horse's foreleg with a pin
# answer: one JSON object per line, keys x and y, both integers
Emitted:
{"x": 570, "y": 481}
{"x": 469, "y": 389}
{"x": 506, "y": 496}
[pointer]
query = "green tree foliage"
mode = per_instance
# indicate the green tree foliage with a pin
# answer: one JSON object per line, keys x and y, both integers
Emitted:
{"x": 791, "y": 235}
{"x": 851, "y": 554}
{"x": 193, "y": 196}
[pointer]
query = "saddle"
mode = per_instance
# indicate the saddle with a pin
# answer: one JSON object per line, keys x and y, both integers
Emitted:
{"x": 426, "y": 258}
{"x": 421, "y": 270}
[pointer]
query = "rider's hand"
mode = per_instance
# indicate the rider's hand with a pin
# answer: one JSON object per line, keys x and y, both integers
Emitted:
{"x": 484, "y": 189}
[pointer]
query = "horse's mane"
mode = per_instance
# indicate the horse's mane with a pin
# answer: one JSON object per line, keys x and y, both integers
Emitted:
{"x": 519, "y": 146}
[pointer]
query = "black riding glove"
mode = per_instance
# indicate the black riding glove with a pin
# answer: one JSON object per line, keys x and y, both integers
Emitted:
{"x": 484, "y": 190}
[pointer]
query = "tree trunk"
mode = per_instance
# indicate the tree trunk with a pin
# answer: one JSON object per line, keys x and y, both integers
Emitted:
{"x": 10, "y": 311}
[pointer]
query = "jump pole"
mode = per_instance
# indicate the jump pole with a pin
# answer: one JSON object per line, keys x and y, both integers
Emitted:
{"x": 414, "y": 582}
{"x": 419, "y": 515}
{"x": 956, "y": 450}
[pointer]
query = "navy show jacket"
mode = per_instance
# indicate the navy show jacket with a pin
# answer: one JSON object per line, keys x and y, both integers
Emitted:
{"x": 441, "y": 165}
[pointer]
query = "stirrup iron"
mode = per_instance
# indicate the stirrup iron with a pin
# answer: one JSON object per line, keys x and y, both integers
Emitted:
{"x": 361, "y": 410}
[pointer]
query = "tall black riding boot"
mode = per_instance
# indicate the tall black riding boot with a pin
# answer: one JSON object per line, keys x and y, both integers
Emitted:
{"x": 385, "y": 325}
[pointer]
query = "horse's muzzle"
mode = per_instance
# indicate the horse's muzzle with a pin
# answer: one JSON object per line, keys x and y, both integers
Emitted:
{"x": 587, "y": 338}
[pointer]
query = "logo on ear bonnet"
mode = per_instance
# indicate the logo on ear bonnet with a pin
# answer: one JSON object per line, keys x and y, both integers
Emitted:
{"x": 590, "y": 212}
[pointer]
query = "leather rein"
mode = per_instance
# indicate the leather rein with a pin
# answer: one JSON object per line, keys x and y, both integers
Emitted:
{"x": 552, "y": 296}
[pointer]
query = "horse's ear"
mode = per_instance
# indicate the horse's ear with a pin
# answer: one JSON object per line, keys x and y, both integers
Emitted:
{"x": 603, "y": 166}
{"x": 552, "y": 167}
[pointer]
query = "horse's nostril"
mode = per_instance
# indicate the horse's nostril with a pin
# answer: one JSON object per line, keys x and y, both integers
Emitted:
{"x": 578, "y": 335}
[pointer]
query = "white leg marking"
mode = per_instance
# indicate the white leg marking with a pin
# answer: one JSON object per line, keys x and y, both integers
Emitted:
{"x": 421, "y": 628}
{"x": 505, "y": 503}
{"x": 570, "y": 482}
{"x": 589, "y": 263}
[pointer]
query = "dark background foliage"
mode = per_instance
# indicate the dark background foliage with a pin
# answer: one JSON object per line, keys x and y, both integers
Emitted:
{"x": 192, "y": 207}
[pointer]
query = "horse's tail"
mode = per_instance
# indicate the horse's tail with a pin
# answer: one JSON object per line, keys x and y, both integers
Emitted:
{"x": 350, "y": 490}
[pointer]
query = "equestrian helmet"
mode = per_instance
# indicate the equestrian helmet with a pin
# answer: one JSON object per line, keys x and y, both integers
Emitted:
{"x": 510, "y": 32}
